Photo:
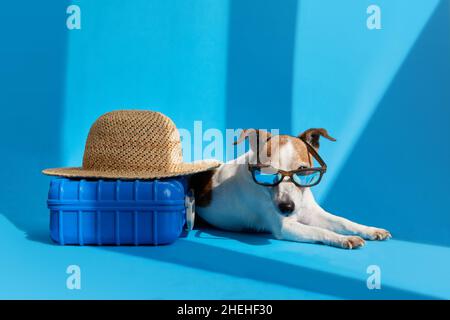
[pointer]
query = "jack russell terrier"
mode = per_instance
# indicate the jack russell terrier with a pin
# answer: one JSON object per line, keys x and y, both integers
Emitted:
{"x": 267, "y": 189}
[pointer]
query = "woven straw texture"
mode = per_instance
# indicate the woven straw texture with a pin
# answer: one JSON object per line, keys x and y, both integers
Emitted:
{"x": 133, "y": 144}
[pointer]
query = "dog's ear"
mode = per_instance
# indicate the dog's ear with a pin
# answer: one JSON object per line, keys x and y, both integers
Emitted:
{"x": 312, "y": 136}
{"x": 252, "y": 135}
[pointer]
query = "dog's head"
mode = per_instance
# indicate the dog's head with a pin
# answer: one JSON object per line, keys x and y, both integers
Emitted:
{"x": 287, "y": 153}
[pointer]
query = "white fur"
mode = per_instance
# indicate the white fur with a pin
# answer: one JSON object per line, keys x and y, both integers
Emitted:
{"x": 239, "y": 204}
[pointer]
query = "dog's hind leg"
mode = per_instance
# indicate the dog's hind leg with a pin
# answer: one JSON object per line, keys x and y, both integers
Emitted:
{"x": 322, "y": 219}
{"x": 295, "y": 231}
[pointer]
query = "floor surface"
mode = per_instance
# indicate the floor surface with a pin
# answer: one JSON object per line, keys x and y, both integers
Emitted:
{"x": 211, "y": 264}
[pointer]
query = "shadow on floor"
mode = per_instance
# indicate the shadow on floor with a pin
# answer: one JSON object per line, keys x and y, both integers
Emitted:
{"x": 397, "y": 175}
{"x": 224, "y": 261}
{"x": 247, "y": 238}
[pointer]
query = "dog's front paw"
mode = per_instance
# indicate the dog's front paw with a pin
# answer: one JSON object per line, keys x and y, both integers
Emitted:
{"x": 378, "y": 234}
{"x": 351, "y": 242}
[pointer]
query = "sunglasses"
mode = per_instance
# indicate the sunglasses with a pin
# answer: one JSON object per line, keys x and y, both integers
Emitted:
{"x": 266, "y": 175}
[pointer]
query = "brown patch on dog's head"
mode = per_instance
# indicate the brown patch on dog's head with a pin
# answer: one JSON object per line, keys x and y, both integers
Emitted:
{"x": 270, "y": 146}
{"x": 301, "y": 156}
{"x": 273, "y": 148}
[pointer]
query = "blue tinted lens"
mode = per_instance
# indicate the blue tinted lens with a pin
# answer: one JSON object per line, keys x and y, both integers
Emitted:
{"x": 306, "y": 178}
{"x": 267, "y": 178}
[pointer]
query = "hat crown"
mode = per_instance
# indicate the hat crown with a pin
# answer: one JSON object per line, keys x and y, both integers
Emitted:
{"x": 132, "y": 140}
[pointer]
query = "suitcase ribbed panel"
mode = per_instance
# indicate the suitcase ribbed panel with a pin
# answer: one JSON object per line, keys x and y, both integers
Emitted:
{"x": 116, "y": 212}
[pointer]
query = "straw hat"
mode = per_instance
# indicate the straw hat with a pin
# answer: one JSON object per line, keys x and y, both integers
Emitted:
{"x": 133, "y": 144}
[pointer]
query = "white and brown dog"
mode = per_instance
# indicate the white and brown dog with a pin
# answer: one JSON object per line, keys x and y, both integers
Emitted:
{"x": 228, "y": 197}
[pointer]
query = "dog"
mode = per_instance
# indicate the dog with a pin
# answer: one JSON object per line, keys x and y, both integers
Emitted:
{"x": 230, "y": 199}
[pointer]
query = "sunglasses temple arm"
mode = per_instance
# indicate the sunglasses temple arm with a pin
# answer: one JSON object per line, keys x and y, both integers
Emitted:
{"x": 315, "y": 154}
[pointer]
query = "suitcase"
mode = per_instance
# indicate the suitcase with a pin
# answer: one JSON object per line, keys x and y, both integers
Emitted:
{"x": 118, "y": 212}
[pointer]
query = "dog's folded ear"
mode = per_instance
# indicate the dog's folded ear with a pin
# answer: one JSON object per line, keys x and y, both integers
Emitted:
{"x": 312, "y": 136}
{"x": 252, "y": 135}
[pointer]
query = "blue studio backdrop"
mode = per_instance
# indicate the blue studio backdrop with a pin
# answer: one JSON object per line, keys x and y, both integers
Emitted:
{"x": 291, "y": 65}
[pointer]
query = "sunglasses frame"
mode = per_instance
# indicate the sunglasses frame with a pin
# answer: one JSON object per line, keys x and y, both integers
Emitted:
{"x": 258, "y": 166}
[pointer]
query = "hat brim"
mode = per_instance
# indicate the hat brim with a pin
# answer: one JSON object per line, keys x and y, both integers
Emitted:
{"x": 179, "y": 170}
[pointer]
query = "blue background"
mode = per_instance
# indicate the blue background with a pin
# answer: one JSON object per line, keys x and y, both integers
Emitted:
{"x": 384, "y": 94}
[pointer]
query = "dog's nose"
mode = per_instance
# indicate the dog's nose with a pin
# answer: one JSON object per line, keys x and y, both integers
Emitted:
{"x": 286, "y": 206}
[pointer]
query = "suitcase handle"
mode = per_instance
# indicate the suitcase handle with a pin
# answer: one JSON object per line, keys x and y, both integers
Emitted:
{"x": 190, "y": 210}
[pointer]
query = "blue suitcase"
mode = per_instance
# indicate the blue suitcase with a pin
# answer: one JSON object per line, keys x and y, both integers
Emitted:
{"x": 118, "y": 212}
